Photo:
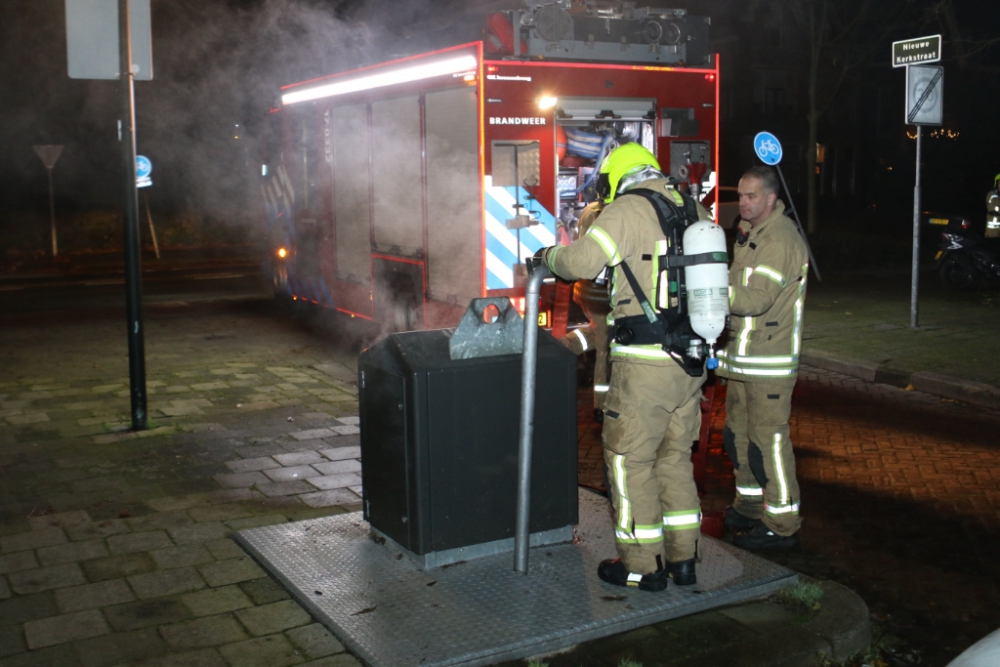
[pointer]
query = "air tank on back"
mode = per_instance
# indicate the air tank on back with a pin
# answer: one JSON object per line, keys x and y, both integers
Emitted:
{"x": 707, "y": 284}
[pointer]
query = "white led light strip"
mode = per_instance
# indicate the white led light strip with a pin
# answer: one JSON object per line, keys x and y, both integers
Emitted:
{"x": 414, "y": 73}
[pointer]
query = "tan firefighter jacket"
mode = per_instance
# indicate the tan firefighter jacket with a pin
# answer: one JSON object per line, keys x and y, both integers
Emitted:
{"x": 628, "y": 230}
{"x": 589, "y": 292}
{"x": 767, "y": 292}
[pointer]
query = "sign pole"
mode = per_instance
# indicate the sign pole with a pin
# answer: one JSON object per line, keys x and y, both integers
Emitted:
{"x": 791, "y": 203}
{"x": 152, "y": 229}
{"x": 52, "y": 215}
{"x": 769, "y": 150}
{"x": 49, "y": 154}
{"x": 133, "y": 259}
{"x": 924, "y": 106}
{"x": 915, "y": 273}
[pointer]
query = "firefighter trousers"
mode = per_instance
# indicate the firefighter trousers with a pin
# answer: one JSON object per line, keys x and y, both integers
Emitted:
{"x": 757, "y": 440}
{"x": 594, "y": 336}
{"x": 652, "y": 418}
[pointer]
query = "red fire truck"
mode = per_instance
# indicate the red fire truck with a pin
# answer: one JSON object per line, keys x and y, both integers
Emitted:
{"x": 408, "y": 188}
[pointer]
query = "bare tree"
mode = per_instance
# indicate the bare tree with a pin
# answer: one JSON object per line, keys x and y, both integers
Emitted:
{"x": 968, "y": 52}
{"x": 839, "y": 35}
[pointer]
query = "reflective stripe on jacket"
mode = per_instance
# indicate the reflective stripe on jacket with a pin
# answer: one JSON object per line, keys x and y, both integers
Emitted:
{"x": 627, "y": 230}
{"x": 767, "y": 293}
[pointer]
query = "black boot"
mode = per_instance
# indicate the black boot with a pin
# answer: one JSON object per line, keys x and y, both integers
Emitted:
{"x": 738, "y": 522}
{"x": 682, "y": 572}
{"x": 614, "y": 572}
{"x": 762, "y": 537}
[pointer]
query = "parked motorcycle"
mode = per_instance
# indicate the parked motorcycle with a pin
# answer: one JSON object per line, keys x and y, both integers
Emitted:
{"x": 965, "y": 258}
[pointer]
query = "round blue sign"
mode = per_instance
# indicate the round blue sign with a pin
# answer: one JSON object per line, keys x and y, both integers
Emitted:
{"x": 143, "y": 166}
{"x": 768, "y": 148}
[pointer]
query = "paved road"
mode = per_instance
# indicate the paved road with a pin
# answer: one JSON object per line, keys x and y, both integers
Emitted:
{"x": 901, "y": 494}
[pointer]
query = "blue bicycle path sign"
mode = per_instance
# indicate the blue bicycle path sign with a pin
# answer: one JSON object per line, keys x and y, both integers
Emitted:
{"x": 768, "y": 148}
{"x": 143, "y": 166}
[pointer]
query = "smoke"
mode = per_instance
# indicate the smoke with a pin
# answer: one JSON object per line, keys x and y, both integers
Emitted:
{"x": 218, "y": 68}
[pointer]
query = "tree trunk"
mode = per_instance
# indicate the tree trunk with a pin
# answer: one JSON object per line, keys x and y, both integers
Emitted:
{"x": 815, "y": 47}
{"x": 811, "y": 167}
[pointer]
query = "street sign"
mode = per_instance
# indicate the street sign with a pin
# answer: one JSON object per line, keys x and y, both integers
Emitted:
{"x": 924, "y": 95}
{"x": 92, "y": 39}
{"x": 768, "y": 148}
{"x": 49, "y": 154}
{"x": 916, "y": 51}
{"x": 143, "y": 168}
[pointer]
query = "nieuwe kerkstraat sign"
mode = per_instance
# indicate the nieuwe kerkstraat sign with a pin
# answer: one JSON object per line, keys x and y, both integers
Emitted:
{"x": 916, "y": 51}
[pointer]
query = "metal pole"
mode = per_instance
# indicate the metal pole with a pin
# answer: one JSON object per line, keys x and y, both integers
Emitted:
{"x": 915, "y": 272}
{"x": 537, "y": 272}
{"x": 152, "y": 229}
{"x": 133, "y": 259}
{"x": 812, "y": 260}
{"x": 52, "y": 215}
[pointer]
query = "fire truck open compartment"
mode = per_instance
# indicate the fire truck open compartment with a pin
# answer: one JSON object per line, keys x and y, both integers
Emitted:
{"x": 404, "y": 190}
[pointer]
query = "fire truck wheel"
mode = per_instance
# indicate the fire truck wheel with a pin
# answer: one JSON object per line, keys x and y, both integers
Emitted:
{"x": 282, "y": 293}
{"x": 279, "y": 282}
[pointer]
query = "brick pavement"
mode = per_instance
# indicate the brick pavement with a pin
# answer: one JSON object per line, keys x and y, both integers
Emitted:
{"x": 114, "y": 545}
{"x": 901, "y": 502}
{"x": 901, "y": 494}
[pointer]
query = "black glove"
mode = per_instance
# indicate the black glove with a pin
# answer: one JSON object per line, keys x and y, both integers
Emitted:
{"x": 538, "y": 259}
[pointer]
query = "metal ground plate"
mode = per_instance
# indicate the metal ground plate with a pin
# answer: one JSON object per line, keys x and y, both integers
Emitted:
{"x": 392, "y": 614}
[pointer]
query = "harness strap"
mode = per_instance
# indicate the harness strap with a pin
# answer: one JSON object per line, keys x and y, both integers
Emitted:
{"x": 680, "y": 261}
{"x": 648, "y": 309}
{"x": 668, "y": 212}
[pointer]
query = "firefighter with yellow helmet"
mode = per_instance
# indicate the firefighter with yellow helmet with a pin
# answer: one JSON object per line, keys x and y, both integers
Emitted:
{"x": 652, "y": 410}
{"x": 993, "y": 209}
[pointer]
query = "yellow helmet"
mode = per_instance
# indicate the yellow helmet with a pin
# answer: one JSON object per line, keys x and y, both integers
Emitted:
{"x": 625, "y": 159}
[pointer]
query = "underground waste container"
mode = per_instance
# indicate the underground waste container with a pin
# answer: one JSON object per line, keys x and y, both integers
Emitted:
{"x": 440, "y": 415}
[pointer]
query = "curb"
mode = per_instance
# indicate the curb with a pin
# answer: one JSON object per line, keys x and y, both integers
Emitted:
{"x": 967, "y": 391}
{"x": 114, "y": 263}
{"x": 11, "y": 280}
{"x": 764, "y": 633}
